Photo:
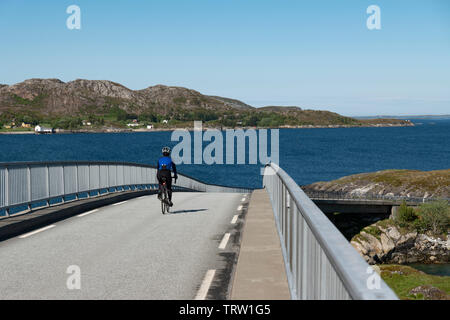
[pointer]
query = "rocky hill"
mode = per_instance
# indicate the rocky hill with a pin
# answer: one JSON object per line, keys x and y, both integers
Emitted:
{"x": 109, "y": 103}
{"x": 52, "y": 96}
{"x": 409, "y": 183}
{"x": 233, "y": 103}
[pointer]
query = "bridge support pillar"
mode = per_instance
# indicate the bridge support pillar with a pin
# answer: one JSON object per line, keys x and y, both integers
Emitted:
{"x": 394, "y": 212}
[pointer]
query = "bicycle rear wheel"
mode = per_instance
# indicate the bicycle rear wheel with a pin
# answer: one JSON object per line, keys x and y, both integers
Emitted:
{"x": 164, "y": 200}
{"x": 163, "y": 206}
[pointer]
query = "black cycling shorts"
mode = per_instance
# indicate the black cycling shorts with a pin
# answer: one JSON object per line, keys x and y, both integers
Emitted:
{"x": 165, "y": 174}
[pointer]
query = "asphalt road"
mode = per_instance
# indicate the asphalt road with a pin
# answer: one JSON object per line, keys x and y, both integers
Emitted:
{"x": 124, "y": 251}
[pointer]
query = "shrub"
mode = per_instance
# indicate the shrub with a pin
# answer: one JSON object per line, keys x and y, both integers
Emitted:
{"x": 434, "y": 216}
{"x": 406, "y": 215}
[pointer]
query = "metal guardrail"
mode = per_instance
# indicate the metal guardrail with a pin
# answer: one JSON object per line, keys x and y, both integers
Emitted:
{"x": 339, "y": 195}
{"x": 25, "y": 183}
{"x": 320, "y": 262}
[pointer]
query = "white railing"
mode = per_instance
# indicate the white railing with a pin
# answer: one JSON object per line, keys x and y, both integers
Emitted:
{"x": 320, "y": 262}
{"x": 23, "y": 184}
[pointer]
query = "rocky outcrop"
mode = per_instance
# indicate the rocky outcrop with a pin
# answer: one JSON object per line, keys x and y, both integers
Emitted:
{"x": 53, "y": 96}
{"x": 233, "y": 103}
{"x": 183, "y": 97}
{"x": 388, "y": 183}
{"x": 384, "y": 242}
{"x": 428, "y": 292}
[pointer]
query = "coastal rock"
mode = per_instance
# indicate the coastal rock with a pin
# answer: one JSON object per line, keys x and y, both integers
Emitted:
{"x": 393, "y": 233}
{"x": 407, "y": 239}
{"x": 386, "y": 183}
{"x": 429, "y": 292}
{"x": 393, "y": 247}
{"x": 387, "y": 244}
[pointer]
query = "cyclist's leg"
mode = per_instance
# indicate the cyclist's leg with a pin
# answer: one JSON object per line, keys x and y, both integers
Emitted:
{"x": 160, "y": 176}
{"x": 159, "y": 190}
{"x": 166, "y": 175}
{"x": 169, "y": 188}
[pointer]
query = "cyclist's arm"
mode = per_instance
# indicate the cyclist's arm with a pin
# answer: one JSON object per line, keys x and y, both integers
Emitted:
{"x": 174, "y": 169}
{"x": 157, "y": 170}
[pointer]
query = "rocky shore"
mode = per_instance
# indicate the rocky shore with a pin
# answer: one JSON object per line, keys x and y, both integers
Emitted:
{"x": 388, "y": 183}
{"x": 128, "y": 130}
{"x": 387, "y": 243}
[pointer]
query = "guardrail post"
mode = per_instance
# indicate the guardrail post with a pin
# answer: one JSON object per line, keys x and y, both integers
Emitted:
{"x": 99, "y": 175}
{"x": 48, "y": 184}
{"x": 7, "y": 191}
{"x": 293, "y": 242}
{"x": 29, "y": 187}
{"x": 63, "y": 184}
{"x": 304, "y": 263}
{"x": 77, "y": 186}
{"x": 107, "y": 181}
{"x": 89, "y": 181}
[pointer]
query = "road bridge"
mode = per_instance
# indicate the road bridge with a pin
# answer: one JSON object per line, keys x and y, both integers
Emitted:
{"x": 344, "y": 202}
{"x": 94, "y": 230}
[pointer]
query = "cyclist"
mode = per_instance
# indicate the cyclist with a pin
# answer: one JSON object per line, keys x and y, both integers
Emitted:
{"x": 164, "y": 168}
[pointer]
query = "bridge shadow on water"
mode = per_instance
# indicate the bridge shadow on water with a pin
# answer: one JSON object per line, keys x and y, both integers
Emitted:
{"x": 187, "y": 211}
{"x": 350, "y": 224}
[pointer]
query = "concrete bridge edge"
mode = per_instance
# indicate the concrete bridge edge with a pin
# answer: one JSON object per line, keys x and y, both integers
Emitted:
{"x": 260, "y": 272}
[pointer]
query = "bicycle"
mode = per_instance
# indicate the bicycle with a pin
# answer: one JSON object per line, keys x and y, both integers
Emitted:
{"x": 164, "y": 197}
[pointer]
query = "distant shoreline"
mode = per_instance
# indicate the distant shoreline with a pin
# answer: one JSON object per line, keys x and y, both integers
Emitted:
{"x": 118, "y": 130}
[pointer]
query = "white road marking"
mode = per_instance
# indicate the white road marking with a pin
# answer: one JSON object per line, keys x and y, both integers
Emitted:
{"x": 36, "y": 231}
{"x": 239, "y": 208}
{"x": 204, "y": 288}
{"x": 116, "y": 204}
{"x": 86, "y": 213}
{"x": 224, "y": 241}
{"x": 234, "y": 219}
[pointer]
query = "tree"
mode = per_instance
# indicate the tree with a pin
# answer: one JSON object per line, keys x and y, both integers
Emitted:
{"x": 252, "y": 120}
{"x": 435, "y": 216}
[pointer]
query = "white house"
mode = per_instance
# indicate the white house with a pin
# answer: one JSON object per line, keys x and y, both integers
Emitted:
{"x": 40, "y": 129}
{"x": 165, "y": 121}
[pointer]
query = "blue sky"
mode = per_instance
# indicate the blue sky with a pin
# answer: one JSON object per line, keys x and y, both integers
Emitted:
{"x": 314, "y": 54}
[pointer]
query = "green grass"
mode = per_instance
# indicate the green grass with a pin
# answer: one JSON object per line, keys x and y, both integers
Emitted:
{"x": 386, "y": 223}
{"x": 20, "y": 129}
{"x": 402, "y": 279}
{"x": 359, "y": 238}
{"x": 373, "y": 230}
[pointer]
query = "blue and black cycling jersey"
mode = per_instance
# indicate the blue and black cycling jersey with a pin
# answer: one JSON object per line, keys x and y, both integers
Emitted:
{"x": 166, "y": 163}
